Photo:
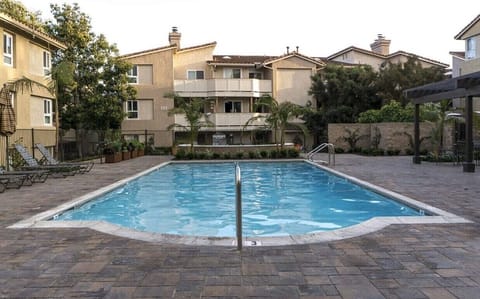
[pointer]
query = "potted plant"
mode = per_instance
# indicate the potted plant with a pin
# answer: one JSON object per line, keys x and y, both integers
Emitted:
{"x": 125, "y": 153}
{"x": 113, "y": 152}
{"x": 140, "y": 148}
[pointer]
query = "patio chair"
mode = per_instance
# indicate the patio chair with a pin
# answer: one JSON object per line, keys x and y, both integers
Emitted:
{"x": 2, "y": 187}
{"x": 32, "y": 164}
{"x": 34, "y": 176}
{"x": 14, "y": 181}
{"x": 49, "y": 160}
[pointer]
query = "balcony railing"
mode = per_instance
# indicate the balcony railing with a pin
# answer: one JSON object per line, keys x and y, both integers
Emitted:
{"x": 223, "y": 88}
{"x": 226, "y": 121}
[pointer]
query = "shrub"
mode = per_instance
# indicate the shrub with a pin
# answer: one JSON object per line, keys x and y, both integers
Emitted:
{"x": 190, "y": 156}
{"x": 409, "y": 151}
{"x": 273, "y": 154}
{"x": 339, "y": 150}
{"x": 252, "y": 155}
{"x": 293, "y": 153}
{"x": 227, "y": 155}
{"x": 393, "y": 152}
{"x": 264, "y": 154}
{"x": 282, "y": 153}
{"x": 239, "y": 155}
{"x": 216, "y": 156}
{"x": 180, "y": 155}
{"x": 201, "y": 155}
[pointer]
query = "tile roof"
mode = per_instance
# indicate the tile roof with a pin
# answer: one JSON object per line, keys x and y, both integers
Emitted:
{"x": 239, "y": 59}
{"x": 165, "y": 48}
{"x": 26, "y": 28}
{"x": 389, "y": 56}
{"x": 459, "y": 54}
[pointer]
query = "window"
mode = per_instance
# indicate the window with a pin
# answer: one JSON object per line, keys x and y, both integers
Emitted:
{"x": 471, "y": 49}
{"x": 47, "y": 112}
{"x": 8, "y": 49}
{"x": 46, "y": 63}
{"x": 233, "y": 107}
{"x": 195, "y": 75}
{"x": 132, "y": 75}
{"x": 255, "y": 75}
{"x": 132, "y": 109}
{"x": 232, "y": 73}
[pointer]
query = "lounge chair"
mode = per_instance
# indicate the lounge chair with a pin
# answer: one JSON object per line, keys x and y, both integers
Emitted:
{"x": 32, "y": 164}
{"x": 14, "y": 181}
{"x": 2, "y": 187}
{"x": 49, "y": 160}
{"x": 34, "y": 176}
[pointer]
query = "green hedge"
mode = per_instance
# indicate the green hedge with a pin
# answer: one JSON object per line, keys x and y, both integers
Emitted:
{"x": 240, "y": 155}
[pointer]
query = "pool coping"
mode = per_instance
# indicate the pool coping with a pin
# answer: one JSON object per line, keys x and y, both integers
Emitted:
{"x": 40, "y": 220}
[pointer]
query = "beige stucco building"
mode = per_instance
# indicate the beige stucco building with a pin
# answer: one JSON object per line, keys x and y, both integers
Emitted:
{"x": 468, "y": 62}
{"x": 26, "y": 53}
{"x": 229, "y": 85}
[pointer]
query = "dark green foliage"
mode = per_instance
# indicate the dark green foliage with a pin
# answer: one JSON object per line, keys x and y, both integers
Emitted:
{"x": 264, "y": 154}
{"x": 239, "y": 155}
{"x": 92, "y": 96}
{"x": 393, "y": 78}
{"x": 343, "y": 93}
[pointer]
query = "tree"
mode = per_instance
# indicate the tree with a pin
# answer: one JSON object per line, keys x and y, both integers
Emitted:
{"x": 19, "y": 12}
{"x": 279, "y": 116}
{"x": 94, "y": 98}
{"x": 192, "y": 109}
{"x": 343, "y": 93}
{"x": 394, "y": 78}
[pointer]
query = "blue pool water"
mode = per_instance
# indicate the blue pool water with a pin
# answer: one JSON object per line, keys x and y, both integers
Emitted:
{"x": 279, "y": 198}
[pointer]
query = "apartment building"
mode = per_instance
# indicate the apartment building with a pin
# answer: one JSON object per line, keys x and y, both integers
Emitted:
{"x": 229, "y": 85}
{"x": 468, "y": 61}
{"x": 378, "y": 55}
{"x": 26, "y": 52}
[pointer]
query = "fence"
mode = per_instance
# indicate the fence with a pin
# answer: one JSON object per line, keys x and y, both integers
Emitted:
{"x": 78, "y": 144}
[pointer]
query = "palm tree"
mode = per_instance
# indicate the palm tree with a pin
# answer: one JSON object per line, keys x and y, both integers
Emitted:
{"x": 279, "y": 117}
{"x": 193, "y": 115}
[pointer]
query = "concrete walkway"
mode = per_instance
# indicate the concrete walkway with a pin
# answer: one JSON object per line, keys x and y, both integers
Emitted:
{"x": 400, "y": 261}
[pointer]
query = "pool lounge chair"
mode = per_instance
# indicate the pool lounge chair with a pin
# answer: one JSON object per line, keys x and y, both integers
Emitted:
{"x": 49, "y": 160}
{"x": 14, "y": 181}
{"x": 34, "y": 176}
{"x": 32, "y": 164}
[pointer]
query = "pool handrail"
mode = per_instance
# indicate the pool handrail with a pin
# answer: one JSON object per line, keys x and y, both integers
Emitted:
{"x": 331, "y": 152}
{"x": 238, "y": 204}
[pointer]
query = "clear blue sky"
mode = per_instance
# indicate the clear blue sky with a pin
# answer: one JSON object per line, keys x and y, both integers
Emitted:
{"x": 256, "y": 27}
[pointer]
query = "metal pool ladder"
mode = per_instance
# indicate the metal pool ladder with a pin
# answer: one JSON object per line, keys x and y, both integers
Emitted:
{"x": 238, "y": 204}
{"x": 331, "y": 152}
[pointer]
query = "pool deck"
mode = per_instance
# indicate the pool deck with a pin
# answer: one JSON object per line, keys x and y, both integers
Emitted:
{"x": 399, "y": 261}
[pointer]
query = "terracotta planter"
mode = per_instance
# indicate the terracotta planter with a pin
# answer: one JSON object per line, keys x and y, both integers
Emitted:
{"x": 140, "y": 152}
{"x": 134, "y": 154}
{"x": 113, "y": 158}
{"x": 126, "y": 155}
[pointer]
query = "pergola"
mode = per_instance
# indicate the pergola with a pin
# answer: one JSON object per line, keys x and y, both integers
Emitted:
{"x": 466, "y": 86}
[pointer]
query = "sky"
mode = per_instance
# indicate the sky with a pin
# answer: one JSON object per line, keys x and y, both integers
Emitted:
{"x": 319, "y": 28}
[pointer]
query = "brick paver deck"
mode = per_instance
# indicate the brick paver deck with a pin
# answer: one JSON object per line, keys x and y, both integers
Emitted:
{"x": 401, "y": 261}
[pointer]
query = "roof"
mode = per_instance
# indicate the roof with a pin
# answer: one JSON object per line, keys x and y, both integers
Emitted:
{"x": 165, "y": 48}
{"x": 459, "y": 54}
{"x": 386, "y": 57}
{"x": 251, "y": 60}
{"x": 295, "y": 54}
{"x": 447, "y": 89}
{"x": 459, "y": 35}
{"x": 29, "y": 31}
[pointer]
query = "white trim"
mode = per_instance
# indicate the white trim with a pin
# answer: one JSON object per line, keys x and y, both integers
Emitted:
{"x": 131, "y": 110}
{"x": 196, "y": 74}
{"x": 46, "y": 62}
{"x": 47, "y": 112}
{"x": 8, "y": 53}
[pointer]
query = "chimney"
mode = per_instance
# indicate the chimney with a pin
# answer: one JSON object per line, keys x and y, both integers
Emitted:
{"x": 381, "y": 45}
{"x": 174, "y": 37}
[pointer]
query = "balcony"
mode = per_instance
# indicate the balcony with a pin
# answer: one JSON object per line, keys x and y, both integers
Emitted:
{"x": 225, "y": 121}
{"x": 223, "y": 88}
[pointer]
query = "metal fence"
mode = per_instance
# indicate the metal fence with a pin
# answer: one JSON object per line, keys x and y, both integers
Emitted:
{"x": 79, "y": 144}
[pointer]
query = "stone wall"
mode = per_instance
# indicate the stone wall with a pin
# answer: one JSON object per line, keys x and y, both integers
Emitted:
{"x": 390, "y": 136}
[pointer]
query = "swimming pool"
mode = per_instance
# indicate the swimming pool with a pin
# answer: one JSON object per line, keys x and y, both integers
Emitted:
{"x": 198, "y": 199}
{"x": 43, "y": 219}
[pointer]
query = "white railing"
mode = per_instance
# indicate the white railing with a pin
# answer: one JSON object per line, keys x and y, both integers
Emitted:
{"x": 331, "y": 152}
{"x": 227, "y": 121}
{"x": 223, "y": 88}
